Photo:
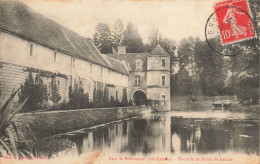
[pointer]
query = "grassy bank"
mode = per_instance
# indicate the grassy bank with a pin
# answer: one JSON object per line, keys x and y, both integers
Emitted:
{"x": 44, "y": 124}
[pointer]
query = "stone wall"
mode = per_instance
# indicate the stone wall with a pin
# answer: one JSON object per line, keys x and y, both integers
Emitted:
{"x": 44, "y": 124}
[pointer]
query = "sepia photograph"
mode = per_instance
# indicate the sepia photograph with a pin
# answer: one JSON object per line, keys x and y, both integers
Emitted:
{"x": 129, "y": 81}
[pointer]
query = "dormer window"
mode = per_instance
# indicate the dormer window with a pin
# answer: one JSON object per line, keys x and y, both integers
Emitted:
{"x": 163, "y": 63}
{"x": 138, "y": 64}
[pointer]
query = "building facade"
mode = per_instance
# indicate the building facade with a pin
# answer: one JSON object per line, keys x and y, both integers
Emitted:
{"x": 149, "y": 76}
{"x": 30, "y": 42}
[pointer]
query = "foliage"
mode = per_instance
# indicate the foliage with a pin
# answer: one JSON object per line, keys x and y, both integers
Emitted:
{"x": 102, "y": 38}
{"x": 200, "y": 68}
{"x": 77, "y": 98}
{"x": 124, "y": 98}
{"x": 132, "y": 39}
{"x": 54, "y": 95}
{"x": 101, "y": 98}
{"x": 35, "y": 90}
{"x": 8, "y": 110}
{"x": 117, "y": 35}
{"x": 211, "y": 68}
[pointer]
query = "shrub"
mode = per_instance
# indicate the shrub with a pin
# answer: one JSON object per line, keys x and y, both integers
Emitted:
{"x": 36, "y": 91}
{"x": 77, "y": 98}
{"x": 54, "y": 94}
{"x": 8, "y": 110}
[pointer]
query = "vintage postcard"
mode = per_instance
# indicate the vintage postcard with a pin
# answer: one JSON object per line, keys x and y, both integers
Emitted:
{"x": 129, "y": 81}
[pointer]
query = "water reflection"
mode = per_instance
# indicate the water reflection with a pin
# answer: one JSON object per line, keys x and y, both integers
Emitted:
{"x": 159, "y": 133}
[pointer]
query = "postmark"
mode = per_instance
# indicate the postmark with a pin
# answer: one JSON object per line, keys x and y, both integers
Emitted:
{"x": 228, "y": 26}
{"x": 234, "y": 21}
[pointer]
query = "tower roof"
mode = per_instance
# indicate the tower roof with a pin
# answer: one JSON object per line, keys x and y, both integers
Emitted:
{"x": 159, "y": 51}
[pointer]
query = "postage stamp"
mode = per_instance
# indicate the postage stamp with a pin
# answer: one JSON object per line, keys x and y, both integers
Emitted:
{"x": 234, "y": 23}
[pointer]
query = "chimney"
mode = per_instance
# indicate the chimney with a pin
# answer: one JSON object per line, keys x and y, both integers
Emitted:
{"x": 121, "y": 50}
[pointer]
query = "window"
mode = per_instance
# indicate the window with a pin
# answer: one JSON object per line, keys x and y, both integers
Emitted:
{"x": 101, "y": 72}
{"x": 108, "y": 74}
{"x": 163, "y": 80}
{"x": 54, "y": 57}
{"x": 163, "y": 99}
{"x": 137, "y": 80}
{"x": 31, "y": 50}
{"x": 73, "y": 63}
{"x": 90, "y": 68}
{"x": 163, "y": 63}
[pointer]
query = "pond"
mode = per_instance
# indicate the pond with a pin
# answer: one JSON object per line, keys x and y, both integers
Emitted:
{"x": 161, "y": 132}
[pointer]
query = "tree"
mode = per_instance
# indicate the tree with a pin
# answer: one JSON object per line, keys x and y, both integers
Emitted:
{"x": 77, "y": 98}
{"x": 35, "y": 90}
{"x": 117, "y": 35}
{"x": 124, "y": 98}
{"x": 54, "y": 94}
{"x": 132, "y": 39}
{"x": 210, "y": 66}
{"x": 102, "y": 38}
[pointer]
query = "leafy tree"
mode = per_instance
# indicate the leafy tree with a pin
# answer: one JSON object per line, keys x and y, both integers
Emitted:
{"x": 200, "y": 68}
{"x": 211, "y": 68}
{"x": 102, "y": 38}
{"x": 132, "y": 39}
{"x": 117, "y": 35}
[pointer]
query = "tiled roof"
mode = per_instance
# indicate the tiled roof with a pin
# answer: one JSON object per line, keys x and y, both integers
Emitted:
{"x": 131, "y": 59}
{"x": 20, "y": 20}
{"x": 116, "y": 64}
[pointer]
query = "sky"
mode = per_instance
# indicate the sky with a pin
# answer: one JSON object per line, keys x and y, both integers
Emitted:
{"x": 176, "y": 19}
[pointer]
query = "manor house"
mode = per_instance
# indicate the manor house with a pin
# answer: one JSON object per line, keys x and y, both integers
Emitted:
{"x": 30, "y": 42}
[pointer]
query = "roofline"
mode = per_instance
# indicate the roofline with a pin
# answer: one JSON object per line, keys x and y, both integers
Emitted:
{"x": 54, "y": 48}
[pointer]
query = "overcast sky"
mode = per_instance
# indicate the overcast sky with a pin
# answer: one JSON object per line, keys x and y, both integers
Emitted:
{"x": 176, "y": 19}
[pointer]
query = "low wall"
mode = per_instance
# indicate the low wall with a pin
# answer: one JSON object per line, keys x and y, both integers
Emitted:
{"x": 44, "y": 124}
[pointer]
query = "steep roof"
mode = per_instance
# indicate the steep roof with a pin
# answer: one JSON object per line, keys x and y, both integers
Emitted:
{"x": 131, "y": 58}
{"x": 159, "y": 51}
{"x": 18, "y": 19}
{"x": 116, "y": 64}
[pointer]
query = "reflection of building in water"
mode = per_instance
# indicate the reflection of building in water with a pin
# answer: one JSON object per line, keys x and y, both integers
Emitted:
{"x": 159, "y": 134}
{"x": 110, "y": 138}
{"x": 142, "y": 135}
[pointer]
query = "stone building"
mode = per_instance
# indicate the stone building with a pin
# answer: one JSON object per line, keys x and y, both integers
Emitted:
{"x": 33, "y": 43}
{"x": 149, "y": 75}
{"x": 30, "y": 42}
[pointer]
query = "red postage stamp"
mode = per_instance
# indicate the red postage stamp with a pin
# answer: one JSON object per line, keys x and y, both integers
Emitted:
{"x": 234, "y": 21}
